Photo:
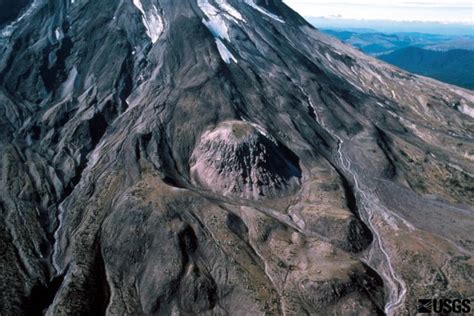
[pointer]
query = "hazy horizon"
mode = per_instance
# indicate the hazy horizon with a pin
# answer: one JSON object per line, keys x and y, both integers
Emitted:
{"x": 387, "y": 26}
{"x": 440, "y": 11}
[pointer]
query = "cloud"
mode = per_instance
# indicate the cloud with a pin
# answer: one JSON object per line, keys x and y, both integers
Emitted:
{"x": 445, "y": 11}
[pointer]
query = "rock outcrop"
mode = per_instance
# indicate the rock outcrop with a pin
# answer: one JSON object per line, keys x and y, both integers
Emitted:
{"x": 238, "y": 159}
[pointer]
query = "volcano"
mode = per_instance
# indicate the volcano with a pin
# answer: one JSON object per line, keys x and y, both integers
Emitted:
{"x": 222, "y": 157}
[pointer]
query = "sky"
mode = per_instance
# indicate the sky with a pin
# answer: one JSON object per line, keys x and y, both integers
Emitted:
{"x": 443, "y": 11}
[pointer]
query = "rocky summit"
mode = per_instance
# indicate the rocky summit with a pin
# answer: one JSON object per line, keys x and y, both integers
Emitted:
{"x": 222, "y": 157}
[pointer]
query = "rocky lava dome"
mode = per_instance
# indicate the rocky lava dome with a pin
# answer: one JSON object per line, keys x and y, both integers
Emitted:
{"x": 236, "y": 158}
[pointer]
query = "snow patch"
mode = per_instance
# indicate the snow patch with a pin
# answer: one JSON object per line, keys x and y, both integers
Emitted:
{"x": 464, "y": 94}
{"x": 217, "y": 27}
{"x": 263, "y": 11}
{"x": 226, "y": 55}
{"x": 58, "y": 33}
{"x": 151, "y": 20}
{"x": 208, "y": 9}
{"x": 328, "y": 57}
{"x": 224, "y": 5}
{"x": 215, "y": 22}
{"x": 466, "y": 109}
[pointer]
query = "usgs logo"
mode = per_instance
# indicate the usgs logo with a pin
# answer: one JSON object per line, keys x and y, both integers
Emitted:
{"x": 442, "y": 305}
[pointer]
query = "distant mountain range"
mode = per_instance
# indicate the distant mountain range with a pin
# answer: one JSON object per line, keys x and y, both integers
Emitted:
{"x": 453, "y": 66}
{"x": 390, "y": 26}
{"x": 446, "y": 58}
{"x": 376, "y": 43}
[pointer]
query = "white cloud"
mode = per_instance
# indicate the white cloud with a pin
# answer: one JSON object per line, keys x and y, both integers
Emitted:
{"x": 402, "y": 10}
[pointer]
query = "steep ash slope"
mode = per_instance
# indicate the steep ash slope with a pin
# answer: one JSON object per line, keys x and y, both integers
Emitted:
{"x": 339, "y": 185}
{"x": 10, "y": 9}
